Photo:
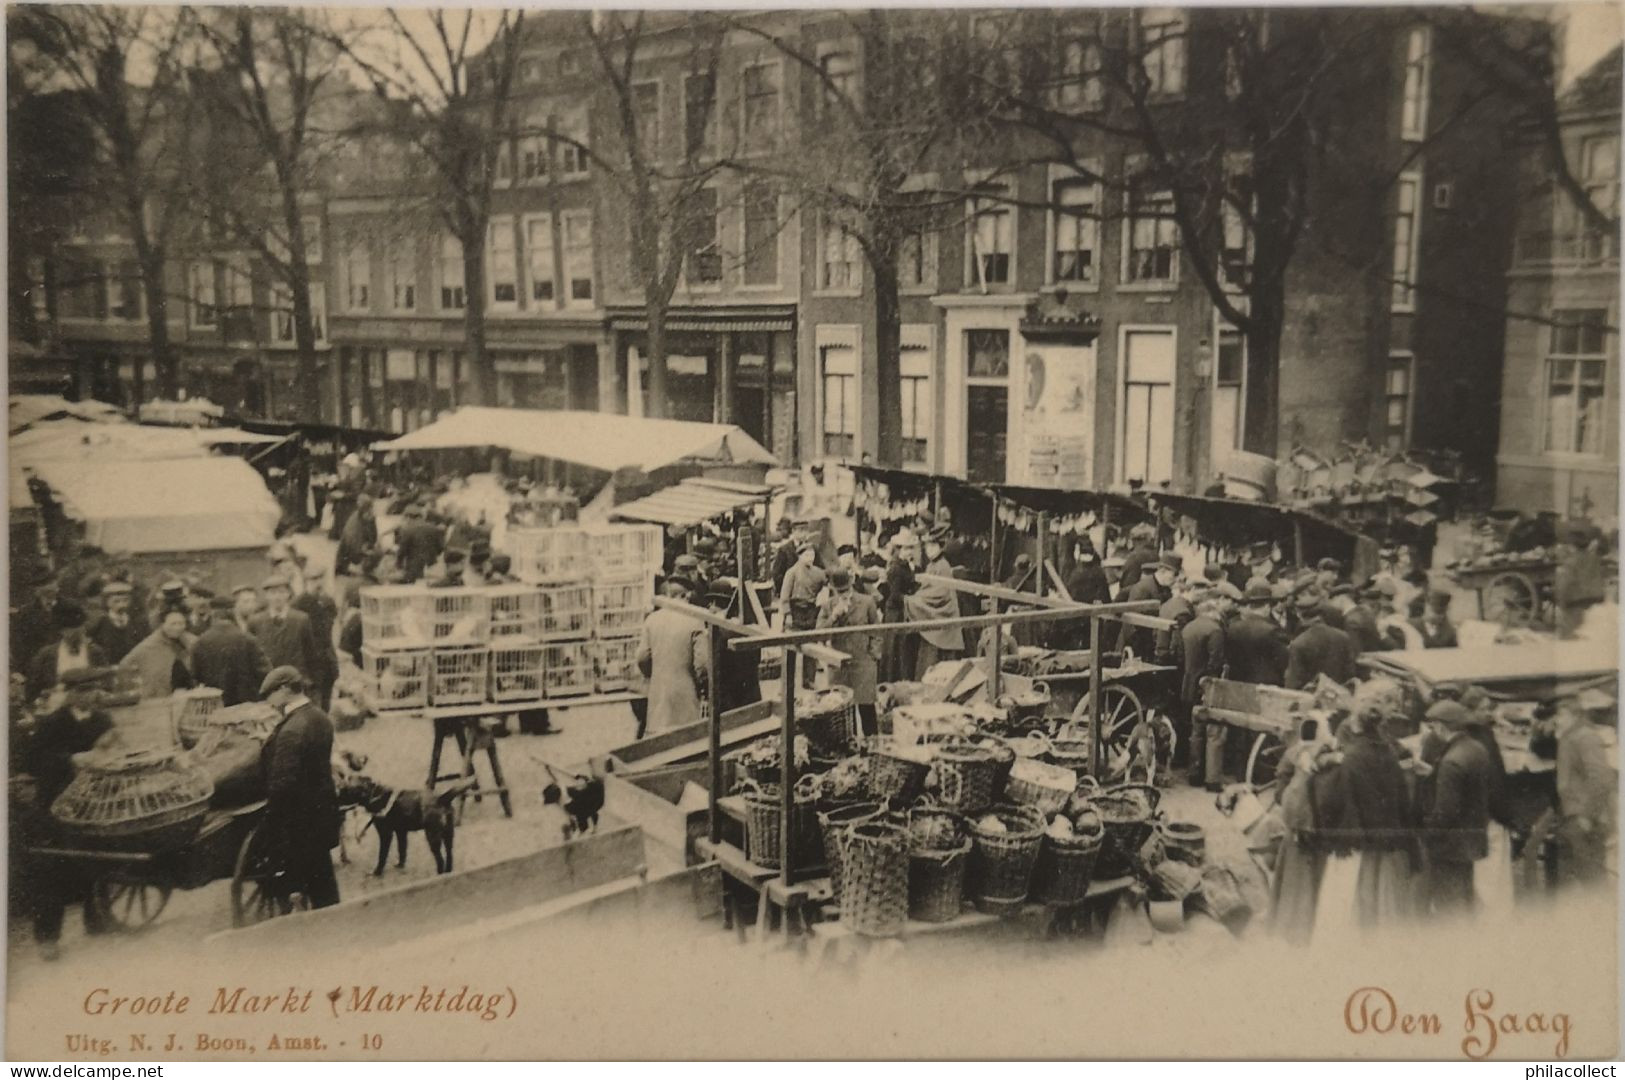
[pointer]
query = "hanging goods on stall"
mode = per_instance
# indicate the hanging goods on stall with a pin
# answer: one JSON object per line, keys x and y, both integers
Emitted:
{"x": 764, "y": 822}
{"x": 966, "y": 774}
{"x": 142, "y": 800}
{"x": 832, "y": 824}
{"x": 192, "y": 710}
{"x": 939, "y": 855}
{"x": 897, "y": 772}
{"x": 1040, "y": 785}
{"x": 829, "y": 719}
{"x": 1004, "y": 846}
{"x": 1067, "y": 858}
{"x": 1128, "y": 815}
{"x": 874, "y": 885}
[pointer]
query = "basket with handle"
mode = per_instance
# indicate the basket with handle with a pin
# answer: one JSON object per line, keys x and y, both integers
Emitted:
{"x": 1127, "y": 813}
{"x": 1026, "y": 706}
{"x": 965, "y": 776}
{"x": 1001, "y": 863}
{"x": 874, "y": 881}
{"x": 829, "y": 718}
{"x": 141, "y": 800}
{"x": 936, "y": 881}
{"x": 1004, "y": 759}
{"x": 1038, "y": 784}
{"x": 192, "y": 709}
{"x": 832, "y": 823}
{"x": 764, "y": 822}
{"x": 1066, "y": 865}
{"x": 897, "y": 773}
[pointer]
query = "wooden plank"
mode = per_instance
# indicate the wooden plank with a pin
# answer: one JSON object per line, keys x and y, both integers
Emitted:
{"x": 812, "y": 647}
{"x": 714, "y": 728}
{"x": 732, "y": 737}
{"x": 1042, "y": 614}
{"x": 508, "y": 708}
{"x": 732, "y": 862}
{"x": 998, "y": 592}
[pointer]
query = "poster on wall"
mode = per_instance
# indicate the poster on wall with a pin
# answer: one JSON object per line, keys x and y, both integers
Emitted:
{"x": 1056, "y": 414}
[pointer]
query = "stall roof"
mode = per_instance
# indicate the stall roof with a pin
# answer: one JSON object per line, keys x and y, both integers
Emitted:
{"x": 29, "y": 409}
{"x": 1236, "y": 521}
{"x": 1125, "y": 509}
{"x": 1502, "y": 663}
{"x": 606, "y": 441}
{"x": 692, "y": 501}
{"x": 184, "y": 504}
{"x": 74, "y": 440}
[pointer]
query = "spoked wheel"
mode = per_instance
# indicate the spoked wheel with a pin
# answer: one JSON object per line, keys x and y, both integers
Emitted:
{"x": 129, "y": 905}
{"x": 259, "y": 890}
{"x": 1126, "y": 738}
{"x": 1511, "y": 600}
{"x": 1264, "y": 759}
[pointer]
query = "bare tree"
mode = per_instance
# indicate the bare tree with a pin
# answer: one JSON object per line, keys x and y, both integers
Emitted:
{"x": 446, "y": 78}
{"x": 661, "y": 187}
{"x": 276, "y": 81}
{"x": 125, "y": 68}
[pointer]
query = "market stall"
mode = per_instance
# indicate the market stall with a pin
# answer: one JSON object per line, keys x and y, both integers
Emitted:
{"x": 1220, "y": 524}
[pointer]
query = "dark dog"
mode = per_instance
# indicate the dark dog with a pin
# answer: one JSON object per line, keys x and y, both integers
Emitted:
{"x": 584, "y": 799}
{"x": 396, "y": 813}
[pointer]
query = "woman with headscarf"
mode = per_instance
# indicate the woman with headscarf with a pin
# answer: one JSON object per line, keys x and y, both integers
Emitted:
{"x": 162, "y": 663}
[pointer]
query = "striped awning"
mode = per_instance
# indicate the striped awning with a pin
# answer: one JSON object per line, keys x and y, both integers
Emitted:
{"x": 692, "y": 501}
{"x": 755, "y": 319}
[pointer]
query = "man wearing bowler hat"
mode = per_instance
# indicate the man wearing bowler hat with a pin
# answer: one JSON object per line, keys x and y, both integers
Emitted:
{"x": 301, "y": 812}
{"x": 1318, "y": 649}
{"x": 228, "y": 659}
{"x": 1255, "y": 647}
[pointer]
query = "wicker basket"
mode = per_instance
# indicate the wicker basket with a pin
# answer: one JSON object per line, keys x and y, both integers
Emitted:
{"x": 832, "y": 823}
{"x": 1040, "y": 785}
{"x": 828, "y": 718}
{"x": 254, "y": 718}
{"x": 1001, "y": 864}
{"x": 936, "y": 882}
{"x": 1066, "y": 866}
{"x": 874, "y": 884}
{"x": 1184, "y": 841}
{"x": 1071, "y": 754}
{"x": 145, "y": 800}
{"x": 966, "y": 776}
{"x": 1025, "y": 706}
{"x": 1127, "y": 814}
{"x": 192, "y": 710}
{"x": 897, "y": 773}
{"x": 764, "y": 820}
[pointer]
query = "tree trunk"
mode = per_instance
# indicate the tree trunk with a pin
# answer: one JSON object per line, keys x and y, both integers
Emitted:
{"x": 482, "y": 377}
{"x": 655, "y": 343}
{"x": 304, "y": 321}
{"x": 1261, "y": 430}
{"x": 888, "y": 362}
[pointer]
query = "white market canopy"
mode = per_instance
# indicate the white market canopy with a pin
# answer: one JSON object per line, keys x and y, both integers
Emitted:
{"x": 29, "y": 409}
{"x": 74, "y": 440}
{"x": 606, "y": 441}
{"x": 1531, "y": 660}
{"x": 692, "y": 501}
{"x": 182, "y": 504}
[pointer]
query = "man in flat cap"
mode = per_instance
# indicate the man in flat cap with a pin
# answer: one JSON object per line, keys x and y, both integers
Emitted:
{"x": 121, "y": 628}
{"x": 1587, "y": 787}
{"x": 418, "y": 543}
{"x": 1318, "y": 649}
{"x": 71, "y": 651}
{"x": 79, "y": 726}
{"x": 284, "y": 633}
{"x": 1457, "y": 821}
{"x": 1141, "y": 555}
{"x": 301, "y": 812}
{"x": 227, "y": 658}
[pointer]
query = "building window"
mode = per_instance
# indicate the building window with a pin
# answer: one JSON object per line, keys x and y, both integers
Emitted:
{"x": 1151, "y": 254}
{"x": 282, "y": 320}
{"x": 991, "y": 237}
{"x": 917, "y": 259}
{"x": 502, "y": 264}
{"x": 839, "y": 82}
{"x": 839, "y": 257}
{"x": 838, "y": 370}
{"x": 1599, "y": 174}
{"x": 914, "y": 369}
{"x": 504, "y": 154}
{"x": 312, "y": 228}
{"x": 987, "y": 354}
{"x": 1407, "y": 252}
{"x": 239, "y": 284}
{"x": 700, "y": 114}
{"x": 403, "y": 280}
{"x": 357, "y": 277}
{"x": 1229, "y": 394}
{"x": 452, "y": 278}
{"x": 759, "y": 106}
{"x": 84, "y": 290}
{"x": 1576, "y": 379}
{"x": 578, "y": 258}
{"x": 998, "y": 48}
{"x": 1236, "y": 257}
{"x": 539, "y": 260}
{"x": 1413, "y": 116}
{"x": 646, "y": 115}
{"x": 1077, "y": 86}
{"x": 125, "y": 284}
{"x": 1076, "y": 203}
{"x": 761, "y": 234}
{"x": 704, "y": 263}
{"x": 1162, "y": 50}
{"x": 533, "y": 158}
{"x": 1148, "y": 406}
{"x": 1397, "y": 395}
{"x": 571, "y": 137}
{"x": 202, "y": 293}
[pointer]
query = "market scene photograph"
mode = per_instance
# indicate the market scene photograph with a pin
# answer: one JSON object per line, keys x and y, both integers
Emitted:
{"x": 1049, "y": 532}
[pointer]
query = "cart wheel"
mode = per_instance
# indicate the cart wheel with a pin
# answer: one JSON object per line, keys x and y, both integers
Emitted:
{"x": 1263, "y": 759}
{"x": 1510, "y": 599}
{"x": 129, "y": 905}
{"x": 1121, "y": 714}
{"x": 258, "y": 889}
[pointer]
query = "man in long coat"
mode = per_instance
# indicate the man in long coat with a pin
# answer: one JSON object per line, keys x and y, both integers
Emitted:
{"x": 1255, "y": 647}
{"x": 1457, "y": 824}
{"x": 418, "y": 544}
{"x": 936, "y": 602}
{"x": 69, "y": 650}
{"x": 666, "y": 655}
{"x": 285, "y": 634}
{"x": 1318, "y": 649}
{"x": 739, "y": 682}
{"x": 122, "y": 627}
{"x": 1202, "y": 656}
{"x": 897, "y": 661}
{"x": 302, "y": 812}
{"x": 846, "y": 606}
{"x": 228, "y": 659}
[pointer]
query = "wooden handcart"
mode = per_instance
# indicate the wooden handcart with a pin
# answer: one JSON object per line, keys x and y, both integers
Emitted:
{"x": 1271, "y": 713}
{"x": 132, "y": 888}
{"x": 1511, "y": 592}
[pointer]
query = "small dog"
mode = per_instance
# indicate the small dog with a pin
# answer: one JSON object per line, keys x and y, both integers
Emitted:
{"x": 397, "y": 813}
{"x": 584, "y": 799}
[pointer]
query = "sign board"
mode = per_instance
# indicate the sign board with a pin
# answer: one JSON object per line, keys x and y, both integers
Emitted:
{"x": 1057, "y": 415}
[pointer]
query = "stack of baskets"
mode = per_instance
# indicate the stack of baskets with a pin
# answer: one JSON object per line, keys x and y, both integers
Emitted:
{"x": 145, "y": 800}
